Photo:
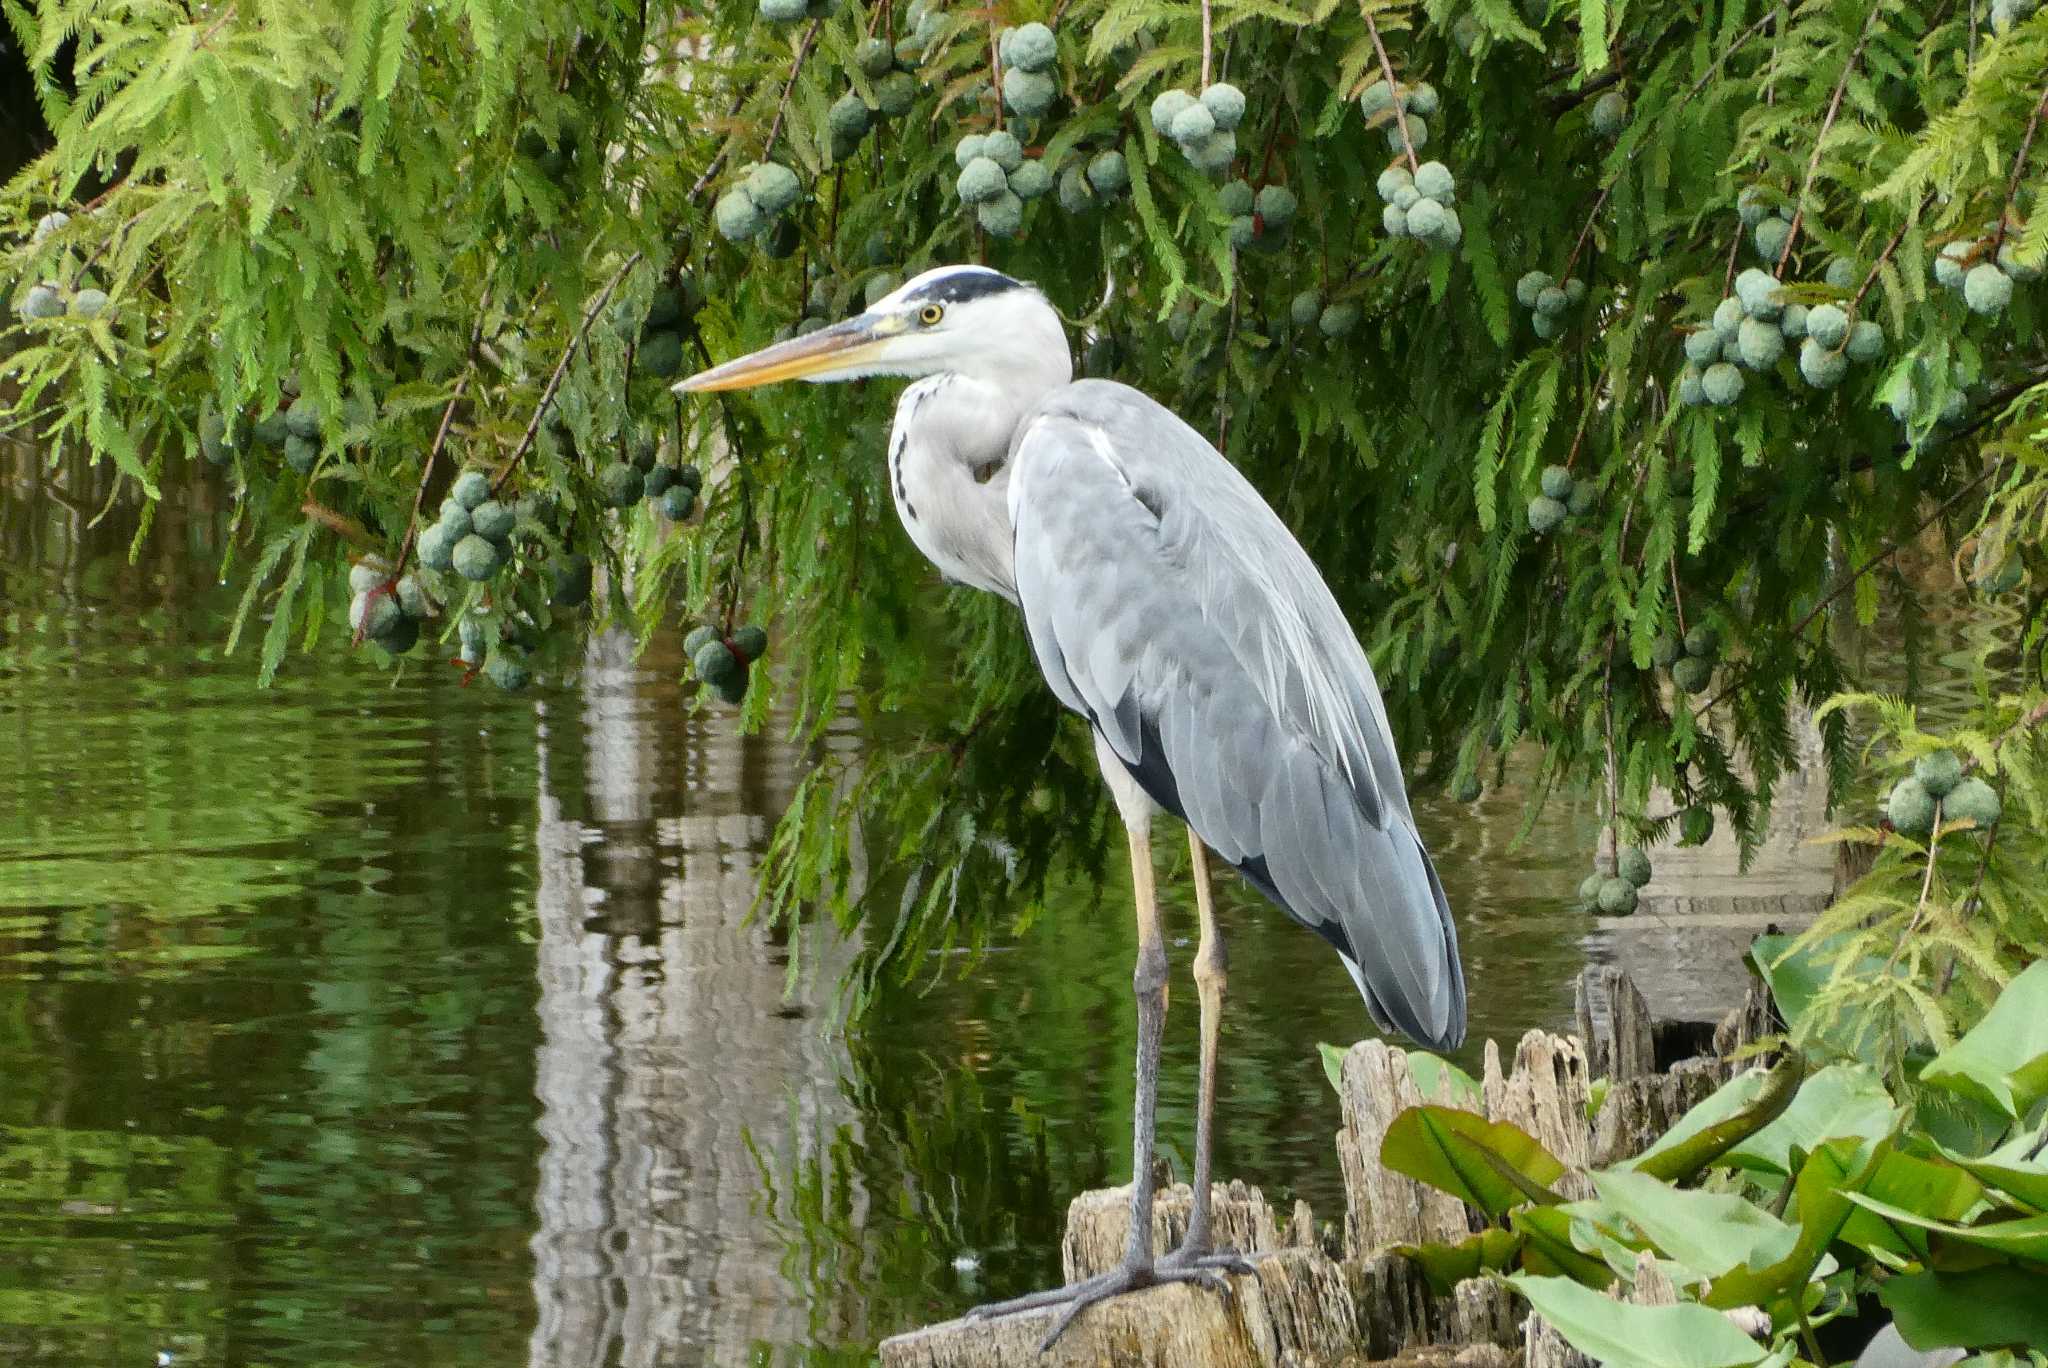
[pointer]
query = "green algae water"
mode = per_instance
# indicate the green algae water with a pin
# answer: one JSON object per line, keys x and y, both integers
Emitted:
{"x": 366, "y": 1020}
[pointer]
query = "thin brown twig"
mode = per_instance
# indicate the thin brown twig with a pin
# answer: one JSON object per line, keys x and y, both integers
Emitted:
{"x": 1207, "y": 30}
{"x": 419, "y": 493}
{"x": 1878, "y": 265}
{"x": 2019, "y": 166}
{"x": 547, "y": 395}
{"x": 712, "y": 168}
{"x": 1876, "y": 558}
{"x": 1820, "y": 139}
{"x": 995, "y": 65}
{"x": 1393, "y": 87}
{"x": 1614, "y": 176}
{"x": 1598, "y": 203}
{"x": 803, "y": 50}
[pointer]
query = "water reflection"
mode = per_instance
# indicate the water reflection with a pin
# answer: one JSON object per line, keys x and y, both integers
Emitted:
{"x": 372, "y": 1021}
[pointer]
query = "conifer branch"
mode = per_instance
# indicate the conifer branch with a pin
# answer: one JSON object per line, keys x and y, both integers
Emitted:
{"x": 1876, "y": 558}
{"x": 2019, "y": 166}
{"x": 712, "y": 167}
{"x": 419, "y": 493}
{"x": 796, "y": 67}
{"x": 1387, "y": 71}
{"x": 1820, "y": 140}
{"x": 995, "y": 65}
{"x": 1208, "y": 42}
{"x": 547, "y": 395}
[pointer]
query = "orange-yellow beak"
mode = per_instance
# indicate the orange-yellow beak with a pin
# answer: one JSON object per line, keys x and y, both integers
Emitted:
{"x": 823, "y": 355}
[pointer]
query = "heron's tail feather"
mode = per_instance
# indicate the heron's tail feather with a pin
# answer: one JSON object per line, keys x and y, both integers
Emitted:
{"x": 1437, "y": 1017}
{"x": 1371, "y": 892}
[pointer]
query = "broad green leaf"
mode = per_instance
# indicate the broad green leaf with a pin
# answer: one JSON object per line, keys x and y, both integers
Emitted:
{"x": 1549, "y": 1248}
{"x": 1333, "y": 1064}
{"x": 2026, "y": 1238}
{"x": 2003, "y": 1059}
{"x": 1708, "y": 1232}
{"x": 1983, "y": 1308}
{"x": 2014, "y": 1168}
{"x": 1841, "y": 1102}
{"x": 1736, "y": 1111}
{"x": 1447, "y": 1265}
{"x": 1619, "y": 1335}
{"x": 1432, "y": 1073}
{"x": 1491, "y": 1165}
{"x": 1821, "y": 1212}
{"x": 1934, "y": 1190}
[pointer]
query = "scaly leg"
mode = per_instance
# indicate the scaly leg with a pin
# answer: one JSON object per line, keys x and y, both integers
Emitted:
{"x": 1212, "y": 965}
{"x": 1137, "y": 1269}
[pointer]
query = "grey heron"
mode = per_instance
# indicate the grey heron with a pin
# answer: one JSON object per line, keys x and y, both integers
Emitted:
{"x": 1169, "y": 606}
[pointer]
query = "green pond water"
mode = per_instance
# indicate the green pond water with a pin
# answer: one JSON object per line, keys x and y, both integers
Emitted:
{"x": 359, "y": 1022}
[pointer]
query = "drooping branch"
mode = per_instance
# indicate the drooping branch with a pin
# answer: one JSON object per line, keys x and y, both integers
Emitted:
{"x": 2019, "y": 166}
{"x": 547, "y": 395}
{"x": 1821, "y": 138}
{"x": 1208, "y": 29}
{"x": 1386, "y": 70}
{"x": 796, "y": 66}
{"x": 419, "y": 493}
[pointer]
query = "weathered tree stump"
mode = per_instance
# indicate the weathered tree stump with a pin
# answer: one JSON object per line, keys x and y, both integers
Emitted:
{"x": 1098, "y": 1224}
{"x": 1614, "y": 1022}
{"x": 1383, "y": 1207}
{"x": 1297, "y": 1309}
{"x": 1305, "y": 1306}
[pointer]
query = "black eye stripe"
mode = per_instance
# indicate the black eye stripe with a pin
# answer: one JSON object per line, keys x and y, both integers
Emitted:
{"x": 961, "y": 286}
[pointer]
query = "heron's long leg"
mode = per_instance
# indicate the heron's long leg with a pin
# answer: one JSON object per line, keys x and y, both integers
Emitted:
{"x": 1211, "y": 976}
{"x": 1148, "y": 982}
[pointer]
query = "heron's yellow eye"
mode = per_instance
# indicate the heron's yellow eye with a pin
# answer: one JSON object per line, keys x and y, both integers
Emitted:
{"x": 930, "y": 314}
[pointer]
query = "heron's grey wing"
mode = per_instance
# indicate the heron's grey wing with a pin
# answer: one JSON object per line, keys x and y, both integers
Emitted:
{"x": 1168, "y": 604}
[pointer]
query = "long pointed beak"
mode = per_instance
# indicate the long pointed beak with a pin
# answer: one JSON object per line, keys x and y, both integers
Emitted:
{"x": 842, "y": 346}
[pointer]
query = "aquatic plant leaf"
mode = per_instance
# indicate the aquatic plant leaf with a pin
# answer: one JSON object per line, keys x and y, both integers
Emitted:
{"x": 2003, "y": 1059}
{"x": 1620, "y": 1335}
{"x": 2026, "y": 1238}
{"x": 1549, "y": 1248}
{"x": 1490, "y": 1165}
{"x": 1981, "y": 1308}
{"x": 1841, "y": 1102}
{"x": 1708, "y": 1232}
{"x": 1737, "y": 1110}
{"x": 1445, "y": 1265}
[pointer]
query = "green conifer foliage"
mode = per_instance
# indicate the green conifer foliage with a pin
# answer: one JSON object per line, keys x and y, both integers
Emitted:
{"x": 441, "y": 227}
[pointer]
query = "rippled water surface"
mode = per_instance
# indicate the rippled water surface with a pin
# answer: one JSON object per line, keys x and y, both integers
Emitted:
{"x": 361, "y": 1022}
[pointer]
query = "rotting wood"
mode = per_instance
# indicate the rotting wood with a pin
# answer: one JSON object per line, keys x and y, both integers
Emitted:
{"x": 1318, "y": 1302}
{"x": 1384, "y": 1207}
{"x": 1614, "y": 1022}
{"x": 1296, "y": 1309}
{"x": 1637, "y": 1111}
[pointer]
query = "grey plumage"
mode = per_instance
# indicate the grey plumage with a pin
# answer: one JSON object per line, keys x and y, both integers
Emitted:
{"x": 1169, "y": 605}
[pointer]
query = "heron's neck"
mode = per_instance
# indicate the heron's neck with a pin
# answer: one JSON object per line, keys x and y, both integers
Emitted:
{"x": 948, "y": 470}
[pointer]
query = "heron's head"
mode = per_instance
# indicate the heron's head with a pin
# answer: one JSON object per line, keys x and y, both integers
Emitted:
{"x": 952, "y": 320}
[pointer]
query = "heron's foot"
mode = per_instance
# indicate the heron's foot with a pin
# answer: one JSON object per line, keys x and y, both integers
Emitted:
{"x": 1204, "y": 1255}
{"x": 1078, "y": 1297}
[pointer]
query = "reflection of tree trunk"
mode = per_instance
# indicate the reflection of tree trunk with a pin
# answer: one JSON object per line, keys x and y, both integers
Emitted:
{"x": 668, "y": 1045}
